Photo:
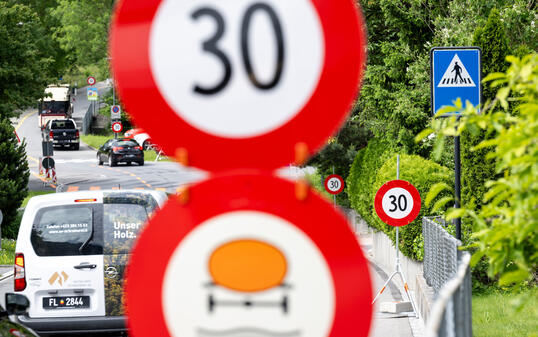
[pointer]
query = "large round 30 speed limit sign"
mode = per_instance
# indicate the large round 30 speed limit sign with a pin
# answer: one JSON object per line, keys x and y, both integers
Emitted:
{"x": 237, "y": 78}
{"x": 397, "y": 203}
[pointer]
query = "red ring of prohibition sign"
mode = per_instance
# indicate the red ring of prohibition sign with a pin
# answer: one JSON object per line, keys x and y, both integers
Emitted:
{"x": 176, "y": 222}
{"x": 337, "y": 87}
{"x": 378, "y": 203}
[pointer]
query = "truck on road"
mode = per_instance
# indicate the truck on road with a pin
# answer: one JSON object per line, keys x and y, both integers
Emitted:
{"x": 56, "y": 104}
{"x": 62, "y": 132}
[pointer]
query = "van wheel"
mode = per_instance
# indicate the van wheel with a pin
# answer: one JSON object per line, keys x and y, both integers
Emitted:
{"x": 99, "y": 161}
{"x": 76, "y": 147}
{"x": 111, "y": 161}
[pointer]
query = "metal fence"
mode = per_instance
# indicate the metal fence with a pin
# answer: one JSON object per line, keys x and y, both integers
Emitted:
{"x": 87, "y": 119}
{"x": 446, "y": 270}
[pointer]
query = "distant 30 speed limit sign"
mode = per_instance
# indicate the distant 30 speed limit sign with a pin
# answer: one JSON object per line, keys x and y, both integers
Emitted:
{"x": 117, "y": 127}
{"x": 397, "y": 203}
{"x": 334, "y": 184}
{"x": 238, "y": 77}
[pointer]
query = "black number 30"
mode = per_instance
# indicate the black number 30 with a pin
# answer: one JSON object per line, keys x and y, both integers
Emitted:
{"x": 401, "y": 205}
{"x": 210, "y": 46}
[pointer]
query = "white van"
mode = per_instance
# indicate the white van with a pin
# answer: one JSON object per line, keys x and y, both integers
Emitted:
{"x": 71, "y": 253}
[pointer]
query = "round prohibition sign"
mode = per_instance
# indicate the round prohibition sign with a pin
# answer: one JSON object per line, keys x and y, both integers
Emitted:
{"x": 90, "y": 80}
{"x": 115, "y": 109}
{"x": 334, "y": 184}
{"x": 397, "y": 203}
{"x": 219, "y": 229}
{"x": 238, "y": 77}
{"x": 117, "y": 127}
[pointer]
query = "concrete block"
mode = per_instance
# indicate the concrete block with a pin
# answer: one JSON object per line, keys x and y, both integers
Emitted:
{"x": 395, "y": 307}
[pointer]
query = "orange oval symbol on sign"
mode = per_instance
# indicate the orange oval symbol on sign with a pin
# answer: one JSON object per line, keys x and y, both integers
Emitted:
{"x": 247, "y": 266}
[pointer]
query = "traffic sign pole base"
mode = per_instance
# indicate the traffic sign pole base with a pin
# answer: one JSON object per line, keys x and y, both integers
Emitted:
{"x": 406, "y": 288}
{"x": 396, "y": 307}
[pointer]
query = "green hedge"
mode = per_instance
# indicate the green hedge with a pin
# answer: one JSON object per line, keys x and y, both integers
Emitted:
{"x": 362, "y": 176}
{"x": 368, "y": 175}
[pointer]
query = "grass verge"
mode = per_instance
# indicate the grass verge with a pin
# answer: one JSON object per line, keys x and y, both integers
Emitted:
{"x": 7, "y": 253}
{"x": 506, "y": 314}
{"x": 96, "y": 141}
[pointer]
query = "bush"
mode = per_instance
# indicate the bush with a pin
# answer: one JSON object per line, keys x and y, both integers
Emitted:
{"x": 359, "y": 184}
{"x": 14, "y": 174}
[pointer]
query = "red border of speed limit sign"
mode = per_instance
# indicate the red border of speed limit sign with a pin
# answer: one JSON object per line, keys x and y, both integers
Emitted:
{"x": 341, "y": 184}
{"x": 378, "y": 203}
{"x": 117, "y": 123}
{"x": 90, "y": 80}
{"x": 336, "y": 89}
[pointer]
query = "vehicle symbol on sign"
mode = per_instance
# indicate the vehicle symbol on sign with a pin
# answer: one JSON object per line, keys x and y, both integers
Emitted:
{"x": 261, "y": 266}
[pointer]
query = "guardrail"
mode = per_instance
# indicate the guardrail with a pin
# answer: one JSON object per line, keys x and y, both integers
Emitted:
{"x": 440, "y": 253}
{"x": 447, "y": 271}
{"x": 451, "y": 313}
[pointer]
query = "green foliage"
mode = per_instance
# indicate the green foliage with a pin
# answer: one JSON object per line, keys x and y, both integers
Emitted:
{"x": 83, "y": 32}
{"x": 14, "y": 175}
{"x": 476, "y": 169}
{"x": 359, "y": 184}
{"x": 506, "y": 226}
{"x": 423, "y": 174}
{"x": 339, "y": 153}
{"x": 7, "y": 253}
{"x": 25, "y": 67}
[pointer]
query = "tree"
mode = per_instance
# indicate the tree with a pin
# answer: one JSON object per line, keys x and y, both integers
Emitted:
{"x": 83, "y": 32}
{"x": 25, "y": 67}
{"x": 14, "y": 175}
{"x": 476, "y": 168}
{"x": 506, "y": 226}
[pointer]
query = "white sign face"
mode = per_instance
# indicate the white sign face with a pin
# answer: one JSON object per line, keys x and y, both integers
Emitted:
{"x": 237, "y": 68}
{"x": 290, "y": 294}
{"x": 334, "y": 184}
{"x": 397, "y": 203}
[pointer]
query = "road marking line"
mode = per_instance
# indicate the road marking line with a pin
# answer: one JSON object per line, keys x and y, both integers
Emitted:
{"x": 132, "y": 175}
{"x": 95, "y": 188}
{"x": 24, "y": 119}
{"x": 160, "y": 189}
{"x": 32, "y": 158}
{"x": 72, "y": 189}
{"x": 115, "y": 188}
{"x": 139, "y": 188}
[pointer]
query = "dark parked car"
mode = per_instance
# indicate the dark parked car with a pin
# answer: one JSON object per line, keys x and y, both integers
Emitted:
{"x": 119, "y": 150}
{"x": 16, "y": 304}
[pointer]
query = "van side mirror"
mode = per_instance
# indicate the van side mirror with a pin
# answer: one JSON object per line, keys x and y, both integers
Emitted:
{"x": 16, "y": 304}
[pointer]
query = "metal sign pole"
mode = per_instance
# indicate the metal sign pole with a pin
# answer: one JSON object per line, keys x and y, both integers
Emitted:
{"x": 334, "y": 195}
{"x": 398, "y": 265}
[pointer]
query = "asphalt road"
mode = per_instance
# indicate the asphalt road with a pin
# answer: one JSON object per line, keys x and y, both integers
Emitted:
{"x": 78, "y": 170}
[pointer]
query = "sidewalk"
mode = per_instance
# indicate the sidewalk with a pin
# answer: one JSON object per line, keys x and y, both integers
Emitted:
{"x": 385, "y": 324}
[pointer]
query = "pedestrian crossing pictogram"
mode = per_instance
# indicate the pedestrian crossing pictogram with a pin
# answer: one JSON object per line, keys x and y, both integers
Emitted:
{"x": 456, "y": 75}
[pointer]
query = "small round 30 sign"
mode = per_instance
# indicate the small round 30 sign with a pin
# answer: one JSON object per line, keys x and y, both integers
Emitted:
{"x": 90, "y": 80}
{"x": 397, "y": 203}
{"x": 334, "y": 184}
{"x": 117, "y": 127}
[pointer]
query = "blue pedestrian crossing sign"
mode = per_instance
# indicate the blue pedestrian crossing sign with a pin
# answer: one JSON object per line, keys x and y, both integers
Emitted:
{"x": 455, "y": 73}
